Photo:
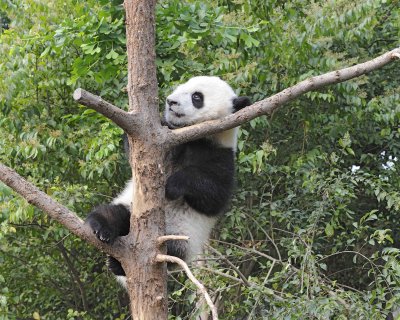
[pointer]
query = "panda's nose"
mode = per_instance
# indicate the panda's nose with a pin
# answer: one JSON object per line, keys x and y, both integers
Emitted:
{"x": 171, "y": 102}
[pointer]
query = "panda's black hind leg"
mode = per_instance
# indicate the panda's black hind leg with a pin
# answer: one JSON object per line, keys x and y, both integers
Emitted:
{"x": 115, "y": 266}
{"x": 109, "y": 222}
{"x": 177, "y": 248}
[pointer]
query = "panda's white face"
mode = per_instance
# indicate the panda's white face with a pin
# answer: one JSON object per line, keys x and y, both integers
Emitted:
{"x": 200, "y": 99}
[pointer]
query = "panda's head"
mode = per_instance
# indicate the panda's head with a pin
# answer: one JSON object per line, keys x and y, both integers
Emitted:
{"x": 200, "y": 99}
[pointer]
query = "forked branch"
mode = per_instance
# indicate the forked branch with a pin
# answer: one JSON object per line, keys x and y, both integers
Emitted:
{"x": 129, "y": 122}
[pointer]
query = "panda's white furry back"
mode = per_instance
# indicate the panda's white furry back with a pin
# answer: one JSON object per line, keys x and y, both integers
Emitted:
{"x": 201, "y": 184}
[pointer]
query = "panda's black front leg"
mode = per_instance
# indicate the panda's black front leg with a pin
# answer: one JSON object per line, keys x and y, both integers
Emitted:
{"x": 109, "y": 221}
{"x": 205, "y": 191}
{"x": 176, "y": 185}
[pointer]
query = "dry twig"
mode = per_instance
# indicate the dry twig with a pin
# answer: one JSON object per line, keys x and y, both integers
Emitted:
{"x": 198, "y": 284}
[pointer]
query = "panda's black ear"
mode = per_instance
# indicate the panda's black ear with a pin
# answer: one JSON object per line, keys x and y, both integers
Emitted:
{"x": 240, "y": 103}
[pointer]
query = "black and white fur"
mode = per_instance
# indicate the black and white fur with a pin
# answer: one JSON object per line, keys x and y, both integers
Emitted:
{"x": 202, "y": 181}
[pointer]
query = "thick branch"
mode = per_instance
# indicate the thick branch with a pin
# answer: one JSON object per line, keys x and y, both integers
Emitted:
{"x": 55, "y": 210}
{"x": 198, "y": 284}
{"x": 268, "y": 105}
{"x": 120, "y": 117}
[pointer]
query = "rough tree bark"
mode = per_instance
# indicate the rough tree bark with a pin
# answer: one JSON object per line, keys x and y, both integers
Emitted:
{"x": 140, "y": 252}
{"x": 145, "y": 278}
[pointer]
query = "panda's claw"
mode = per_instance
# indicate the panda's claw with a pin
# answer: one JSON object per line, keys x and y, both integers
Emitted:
{"x": 105, "y": 235}
{"x": 102, "y": 231}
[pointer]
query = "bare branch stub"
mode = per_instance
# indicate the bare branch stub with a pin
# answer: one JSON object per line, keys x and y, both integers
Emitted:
{"x": 55, "y": 210}
{"x": 268, "y": 105}
{"x": 121, "y": 118}
{"x": 161, "y": 240}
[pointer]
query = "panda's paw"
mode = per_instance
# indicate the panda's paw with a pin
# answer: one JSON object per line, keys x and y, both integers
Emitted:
{"x": 104, "y": 235}
{"x": 101, "y": 229}
{"x": 174, "y": 188}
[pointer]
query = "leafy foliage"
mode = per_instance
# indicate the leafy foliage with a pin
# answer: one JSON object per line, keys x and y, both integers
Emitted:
{"x": 313, "y": 229}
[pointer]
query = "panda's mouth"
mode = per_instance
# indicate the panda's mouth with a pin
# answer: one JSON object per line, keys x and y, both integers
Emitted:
{"x": 174, "y": 125}
{"x": 178, "y": 115}
{"x": 175, "y": 113}
{"x": 174, "y": 119}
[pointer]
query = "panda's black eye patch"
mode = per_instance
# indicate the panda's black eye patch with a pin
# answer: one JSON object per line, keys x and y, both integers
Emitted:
{"x": 198, "y": 100}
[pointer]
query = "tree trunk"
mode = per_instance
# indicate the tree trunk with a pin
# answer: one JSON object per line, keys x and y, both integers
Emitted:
{"x": 146, "y": 279}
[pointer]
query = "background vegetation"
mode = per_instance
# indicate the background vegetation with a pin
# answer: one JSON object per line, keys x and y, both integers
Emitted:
{"x": 313, "y": 232}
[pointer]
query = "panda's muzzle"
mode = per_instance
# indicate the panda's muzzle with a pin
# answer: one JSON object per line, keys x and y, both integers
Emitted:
{"x": 172, "y": 103}
{"x": 176, "y": 114}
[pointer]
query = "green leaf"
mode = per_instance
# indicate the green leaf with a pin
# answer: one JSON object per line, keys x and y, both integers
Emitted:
{"x": 45, "y": 52}
{"x": 329, "y": 230}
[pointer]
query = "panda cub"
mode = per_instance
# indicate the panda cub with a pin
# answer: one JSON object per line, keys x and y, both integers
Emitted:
{"x": 201, "y": 184}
